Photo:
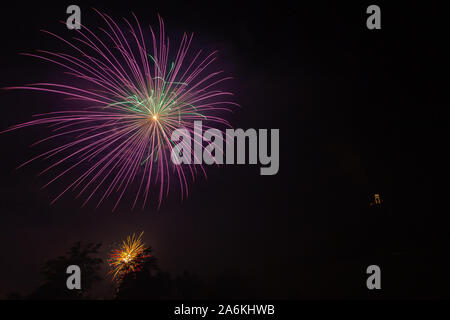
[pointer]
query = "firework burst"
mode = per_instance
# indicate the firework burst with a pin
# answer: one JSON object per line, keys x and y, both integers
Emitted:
{"x": 130, "y": 92}
{"x": 129, "y": 257}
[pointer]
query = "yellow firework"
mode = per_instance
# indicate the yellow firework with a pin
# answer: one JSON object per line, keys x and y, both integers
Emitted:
{"x": 129, "y": 257}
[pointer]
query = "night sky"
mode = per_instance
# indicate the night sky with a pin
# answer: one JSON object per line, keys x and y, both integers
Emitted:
{"x": 359, "y": 111}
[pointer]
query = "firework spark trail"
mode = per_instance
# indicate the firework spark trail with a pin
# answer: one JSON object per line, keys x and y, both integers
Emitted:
{"x": 128, "y": 257}
{"x": 136, "y": 100}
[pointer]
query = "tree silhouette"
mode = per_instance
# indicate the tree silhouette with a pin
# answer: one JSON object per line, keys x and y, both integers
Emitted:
{"x": 188, "y": 286}
{"x": 148, "y": 283}
{"x": 54, "y": 271}
{"x": 14, "y": 296}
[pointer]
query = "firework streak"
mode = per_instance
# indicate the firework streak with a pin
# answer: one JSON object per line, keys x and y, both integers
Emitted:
{"x": 127, "y": 104}
{"x": 128, "y": 258}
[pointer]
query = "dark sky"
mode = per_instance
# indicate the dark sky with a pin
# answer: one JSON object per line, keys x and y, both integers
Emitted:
{"x": 359, "y": 112}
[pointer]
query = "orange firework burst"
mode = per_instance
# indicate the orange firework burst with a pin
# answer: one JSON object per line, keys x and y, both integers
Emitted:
{"x": 129, "y": 257}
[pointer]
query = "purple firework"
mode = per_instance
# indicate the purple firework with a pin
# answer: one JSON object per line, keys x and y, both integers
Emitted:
{"x": 130, "y": 96}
